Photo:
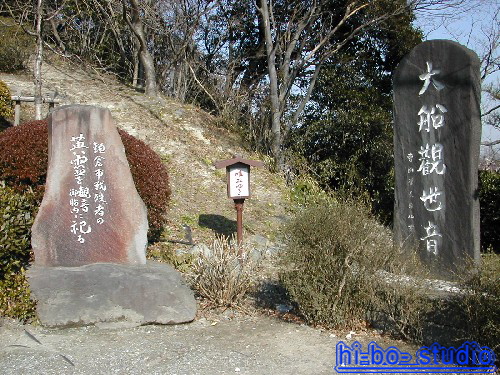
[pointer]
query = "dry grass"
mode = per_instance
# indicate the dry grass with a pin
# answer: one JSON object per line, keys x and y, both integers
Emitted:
{"x": 225, "y": 274}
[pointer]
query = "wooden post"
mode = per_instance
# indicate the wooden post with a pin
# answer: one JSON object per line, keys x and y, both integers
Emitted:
{"x": 238, "y": 188}
{"x": 238, "y": 205}
{"x": 17, "y": 99}
{"x": 17, "y": 112}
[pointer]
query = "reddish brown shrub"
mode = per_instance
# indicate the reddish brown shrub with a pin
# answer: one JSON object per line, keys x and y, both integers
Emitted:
{"x": 24, "y": 154}
{"x": 24, "y": 159}
{"x": 151, "y": 179}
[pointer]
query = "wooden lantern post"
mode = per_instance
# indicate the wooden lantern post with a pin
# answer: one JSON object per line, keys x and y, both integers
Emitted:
{"x": 238, "y": 186}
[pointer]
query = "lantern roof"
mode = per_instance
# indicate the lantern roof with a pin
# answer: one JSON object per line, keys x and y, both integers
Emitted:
{"x": 236, "y": 160}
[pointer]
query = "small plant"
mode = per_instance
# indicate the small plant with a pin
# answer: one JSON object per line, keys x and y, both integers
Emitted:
{"x": 6, "y": 110}
{"x": 400, "y": 305}
{"x": 165, "y": 253}
{"x": 479, "y": 307}
{"x": 306, "y": 191}
{"x": 223, "y": 276}
{"x": 15, "y": 297}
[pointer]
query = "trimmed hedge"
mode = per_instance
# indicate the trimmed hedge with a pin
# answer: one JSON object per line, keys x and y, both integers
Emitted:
{"x": 151, "y": 180}
{"x": 24, "y": 159}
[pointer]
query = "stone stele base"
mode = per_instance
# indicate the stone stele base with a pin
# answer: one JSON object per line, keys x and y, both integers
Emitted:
{"x": 111, "y": 293}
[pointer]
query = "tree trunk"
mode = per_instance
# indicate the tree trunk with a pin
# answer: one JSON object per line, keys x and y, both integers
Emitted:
{"x": 37, "y": 71}
{"x": 273, "y": 83}
{"x": 146, "y": 60}
{"x": 136, "y": 82}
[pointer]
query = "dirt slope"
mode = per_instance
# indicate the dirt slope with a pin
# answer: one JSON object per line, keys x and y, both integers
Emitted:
{"x": 187, "y": 140}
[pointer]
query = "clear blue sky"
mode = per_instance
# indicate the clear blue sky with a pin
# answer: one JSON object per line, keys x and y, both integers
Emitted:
{"x": 469, "y": 25}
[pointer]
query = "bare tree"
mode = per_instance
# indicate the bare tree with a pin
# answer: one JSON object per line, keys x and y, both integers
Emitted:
{"x": 37, "y": 71}
{"x": 132, "y": 15}
{"x": 30, "y": 17}
{"x": 302, "y": 45}
{"x": 483, "y": 35}
{"x": 298, "y": 45}
{"x": 490, "y": 63}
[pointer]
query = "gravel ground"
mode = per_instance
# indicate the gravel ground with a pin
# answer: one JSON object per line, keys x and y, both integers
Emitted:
{"x": 231, "y": 343}
{"x": 245, "y": 346}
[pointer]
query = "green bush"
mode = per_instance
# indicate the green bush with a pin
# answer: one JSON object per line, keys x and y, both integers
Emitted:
{"x": 334, "y": 264}
{"x": 6, "y": 110}
{"x": 24, "y": 158}
{"x": 489, "y": 200}
{"x": 327, "y": 268}
{"x": 15, "y": 297}
{"x": 17, "y": 213}
{"x": 15, "y": 46}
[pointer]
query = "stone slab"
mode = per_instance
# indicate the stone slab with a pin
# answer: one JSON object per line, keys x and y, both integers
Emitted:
{"x": 111, "y": 293}
{"x": 91, "y": 211}
{"x": 437, "y": 132}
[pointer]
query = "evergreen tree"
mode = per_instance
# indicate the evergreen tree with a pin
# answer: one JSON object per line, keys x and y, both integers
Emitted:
{"x": 346, "y": 135}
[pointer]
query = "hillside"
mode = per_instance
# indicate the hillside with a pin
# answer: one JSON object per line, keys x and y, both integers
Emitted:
{"x": 188, "y": 141}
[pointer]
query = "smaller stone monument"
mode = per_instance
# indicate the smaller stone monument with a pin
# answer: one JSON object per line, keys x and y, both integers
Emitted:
{"x": 91, "y": 211}
{"x": 89, "y": 236}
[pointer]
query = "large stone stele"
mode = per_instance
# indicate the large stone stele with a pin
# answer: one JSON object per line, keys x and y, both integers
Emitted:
{"x": 91, "y": 211}
{"x": 437, "y": 133}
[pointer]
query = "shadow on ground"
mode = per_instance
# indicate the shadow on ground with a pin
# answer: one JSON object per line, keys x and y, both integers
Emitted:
{"x": 218, "y": 223}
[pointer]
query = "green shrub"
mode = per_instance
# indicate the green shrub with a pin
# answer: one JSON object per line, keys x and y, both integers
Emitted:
{"x": 332, "y": 252}
{"x": 6, "y": 110}
{"x": 17, "y": 213}
{"x": 24, "y": 158}
{"x": 15, "y": 297}
{"x": 489, "y": 200}
{"x": 333, "y": 267}
{"x": 15, "y": 46}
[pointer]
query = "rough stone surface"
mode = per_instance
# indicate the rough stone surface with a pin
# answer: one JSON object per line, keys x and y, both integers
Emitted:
{"x": 91, "y": 211}
{"x": 437, "y": 131}
{"x": 111, "y": 293}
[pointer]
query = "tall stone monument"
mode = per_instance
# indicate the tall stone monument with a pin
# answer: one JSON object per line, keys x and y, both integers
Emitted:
{"x": 437, "y": 132}
{"x": 89, "y": 236}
